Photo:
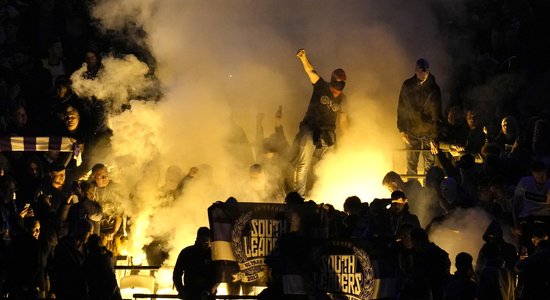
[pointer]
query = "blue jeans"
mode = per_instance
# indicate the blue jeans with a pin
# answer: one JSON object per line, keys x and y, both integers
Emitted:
{"x": 304, "y": 155}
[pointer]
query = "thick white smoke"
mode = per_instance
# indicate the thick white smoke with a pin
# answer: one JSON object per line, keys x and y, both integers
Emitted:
{"x": 462, "y": 231}
{"x": 120, "y": 80}
{"x": 219, "y": 63}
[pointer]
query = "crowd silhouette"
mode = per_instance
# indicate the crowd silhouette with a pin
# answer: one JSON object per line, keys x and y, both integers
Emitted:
{"x": 61, "y": 232}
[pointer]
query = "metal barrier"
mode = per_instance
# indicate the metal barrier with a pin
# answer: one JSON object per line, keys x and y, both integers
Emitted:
{"x": 155, "y": 296}
{"x": 137, "y": 267}
{"x": 456, "y": 156}
{"x": 410, "y": 176}
{"x": 164, "y": 296}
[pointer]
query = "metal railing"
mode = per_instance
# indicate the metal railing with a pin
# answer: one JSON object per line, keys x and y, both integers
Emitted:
{"x": 223, "y": 297}
{"x": 410, "y": 176}
{"x": 136, "y": 267}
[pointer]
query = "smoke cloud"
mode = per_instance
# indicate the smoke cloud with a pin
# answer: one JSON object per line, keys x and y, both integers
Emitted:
{"x": 462, "y": 231}
{"x": 219, "y": 63}
{"x": 119, "y": 81}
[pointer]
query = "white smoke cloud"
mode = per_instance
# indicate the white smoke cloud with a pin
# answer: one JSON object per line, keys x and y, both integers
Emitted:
{"x": 219, "y": 63}
{"x": 118, "y": 81}
{"x": 462, "y": 231}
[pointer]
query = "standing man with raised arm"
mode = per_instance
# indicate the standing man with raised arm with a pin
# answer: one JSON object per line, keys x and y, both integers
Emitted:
{"x": 317, "y": 132}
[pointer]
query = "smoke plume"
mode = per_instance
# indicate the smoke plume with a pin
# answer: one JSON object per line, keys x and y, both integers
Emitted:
{"x": 220, "y": 63}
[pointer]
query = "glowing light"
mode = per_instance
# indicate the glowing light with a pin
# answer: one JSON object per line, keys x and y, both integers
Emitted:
{"x": 138, "y": 259}
{"x": 134, "y": 284}
{"x": 164, "y": 277}
{"x": 222, "y": 289}
{"x": 351, "y": 172}
{"x": 128, "y": 293}
{"x": 166, "y": 291}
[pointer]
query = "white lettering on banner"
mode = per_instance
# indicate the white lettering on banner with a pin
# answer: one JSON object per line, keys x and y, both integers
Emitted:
{"x": 267, "y": 228}
{"x": 339, "y": 264}
{"x": 255, "y": 247}
{"x": 338, "y": 274}
{"x": 252, "y": 263}
{"x": 251, "y": 270}
{"x": 264, "y": 237}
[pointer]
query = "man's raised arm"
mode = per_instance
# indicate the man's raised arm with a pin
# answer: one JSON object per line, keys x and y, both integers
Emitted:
{"x": 308, "y": 67}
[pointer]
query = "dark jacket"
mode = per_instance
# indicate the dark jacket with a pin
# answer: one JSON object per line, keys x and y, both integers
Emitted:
{"x": 426, "y": 271}
{"x": 196, "y": 264}
{"x": 100, "y": 275}
{"x": 506, "y": 251}
{"x": 495, "y": 282}
{"x": 419, "y": 109}
{"x": 68, "y": 276}
{"x": 404, "y": 218}
{"x": 475, "y": 141}
{"x": 24, "y": 265}
{"x": 460, "y": 286}
{"x": 536, "y": 274}
{"x": 322, "y": 112}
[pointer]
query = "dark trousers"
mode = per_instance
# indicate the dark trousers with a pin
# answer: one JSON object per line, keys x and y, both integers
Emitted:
{"x": 419, "y": 143}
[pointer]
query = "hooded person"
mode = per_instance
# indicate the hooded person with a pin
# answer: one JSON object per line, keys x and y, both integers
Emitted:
{"x": 505, "y": 251}
{"x": 65, "y": 96}
{"x": 495, "y": 280}
{"x": 93, "y": 61}
{"x": 453, "y": 195}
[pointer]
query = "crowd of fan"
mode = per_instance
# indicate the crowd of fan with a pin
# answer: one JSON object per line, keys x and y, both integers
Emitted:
{"x": 41, "y": 44}
{"x": 484, "y": 162}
